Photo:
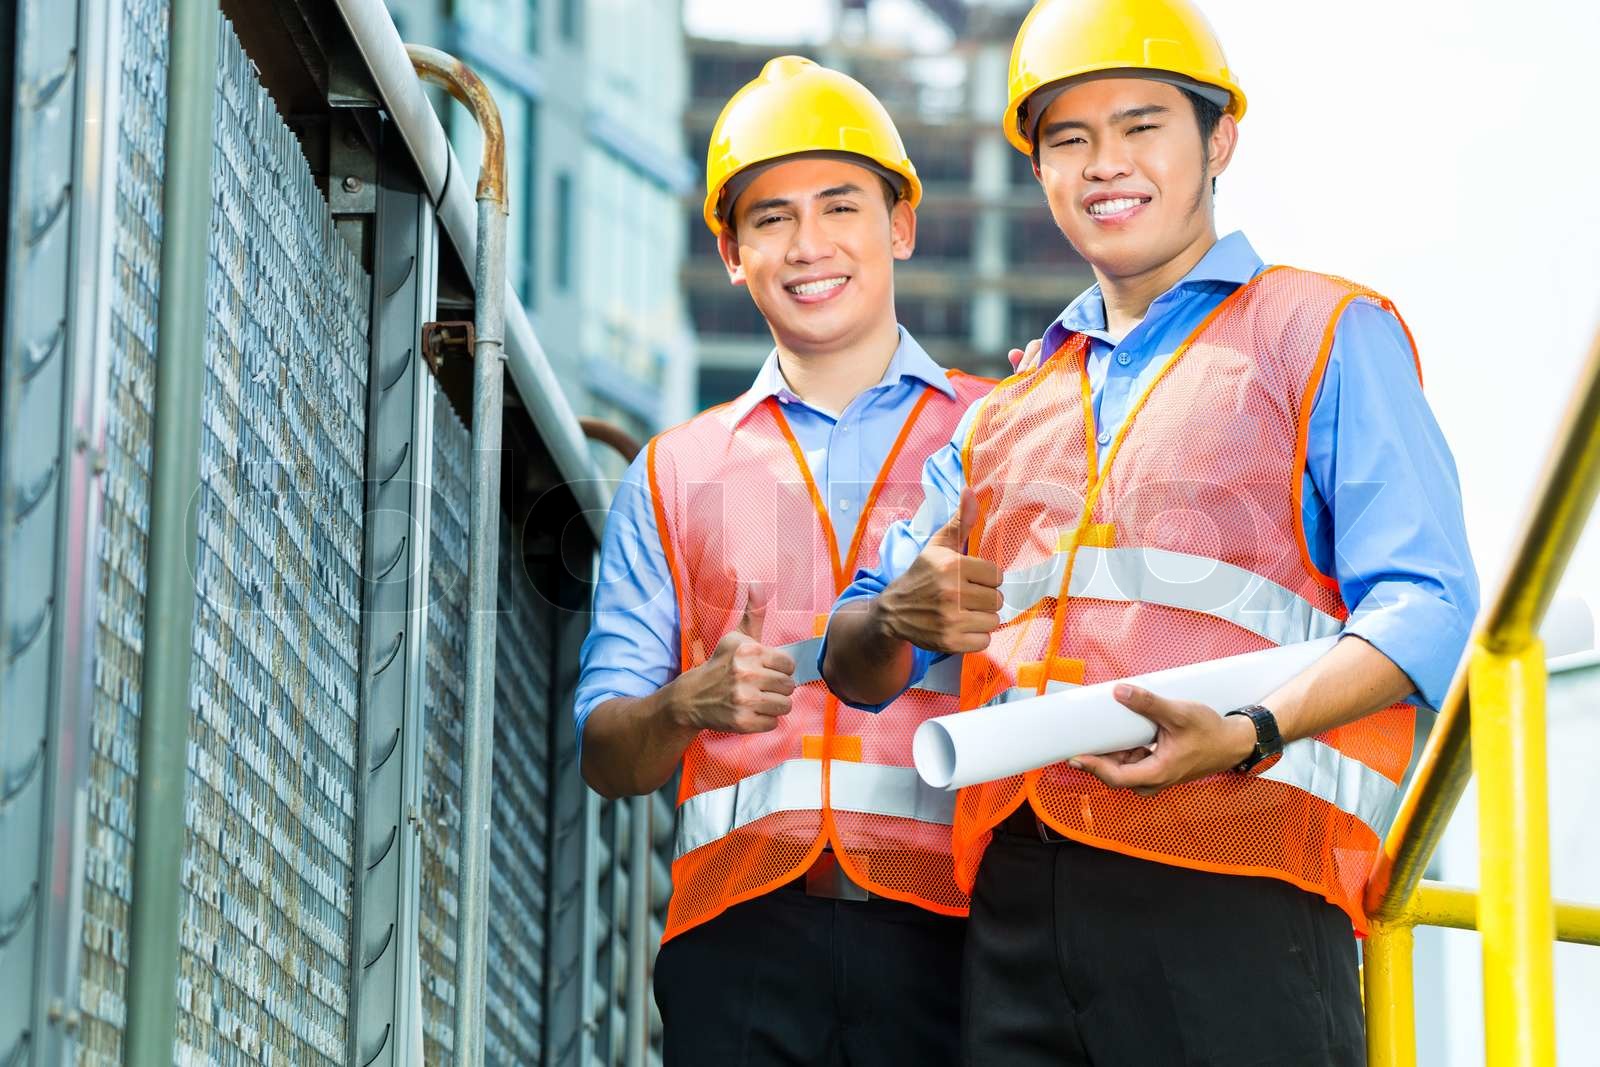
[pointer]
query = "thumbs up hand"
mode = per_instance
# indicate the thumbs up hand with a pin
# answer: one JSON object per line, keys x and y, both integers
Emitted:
{"x": 946, "y": 601}
{"x": 744, "y": 687}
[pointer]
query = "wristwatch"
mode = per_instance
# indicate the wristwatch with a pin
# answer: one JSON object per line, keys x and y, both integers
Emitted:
{"x": 1269, "y": 743}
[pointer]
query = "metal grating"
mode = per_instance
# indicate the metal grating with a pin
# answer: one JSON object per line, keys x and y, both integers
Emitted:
{"x": 520, "y": 840}
{"x": 519, "y": 867}
{"x": 121, "y": 539}
{"x": 441, "y": 749}
{"x": 264, "y": 969}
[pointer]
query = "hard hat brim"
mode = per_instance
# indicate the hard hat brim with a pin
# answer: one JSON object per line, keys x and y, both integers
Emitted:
{"x": 741, "y": 180}
{"x": 1022, "y": 113}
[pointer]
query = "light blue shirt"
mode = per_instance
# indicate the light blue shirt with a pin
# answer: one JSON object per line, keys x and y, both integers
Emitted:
{"x": 632, "y": 647}
{"x": 1381, "y": 501}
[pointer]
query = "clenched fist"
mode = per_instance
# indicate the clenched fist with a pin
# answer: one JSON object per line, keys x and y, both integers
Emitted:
{"x": 744, "y": 687}
{"x": 946, "y": 601}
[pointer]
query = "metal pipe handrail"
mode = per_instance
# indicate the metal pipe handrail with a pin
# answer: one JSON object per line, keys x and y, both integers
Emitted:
{"x": 373, "y": 30}
{"x": 483, "y": 542}
{"x": 1561, "y": 505}
{"x": 1456, "y": 908}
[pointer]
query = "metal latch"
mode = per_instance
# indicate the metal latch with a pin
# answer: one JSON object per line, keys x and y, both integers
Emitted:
{"x": 442, "y": 339}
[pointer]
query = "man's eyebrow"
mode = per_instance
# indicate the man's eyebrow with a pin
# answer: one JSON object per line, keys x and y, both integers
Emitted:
{"x": 1117, "y": 117}
{"x": 769, "y": 204}
{"x": 773, "y": 203}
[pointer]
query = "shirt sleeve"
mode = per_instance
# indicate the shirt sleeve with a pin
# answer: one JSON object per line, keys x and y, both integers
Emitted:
{"x": 1384, "y": 515}
{"x": 942, "y": 482}
{"x": 632, "y": 646}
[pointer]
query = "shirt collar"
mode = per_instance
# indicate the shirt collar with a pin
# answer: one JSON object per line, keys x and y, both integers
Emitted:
{"x": 910, "y": 360}
{"x": 1231, "y": 261}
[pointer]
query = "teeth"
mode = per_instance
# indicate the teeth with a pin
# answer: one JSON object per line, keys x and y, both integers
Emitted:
{"x": 1111, "y": 207}
{"x": 813, "y": 288}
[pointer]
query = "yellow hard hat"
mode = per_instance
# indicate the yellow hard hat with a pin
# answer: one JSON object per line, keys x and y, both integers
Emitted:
{"x": 795, "y": 106}
{"x": 1063, "y": 39}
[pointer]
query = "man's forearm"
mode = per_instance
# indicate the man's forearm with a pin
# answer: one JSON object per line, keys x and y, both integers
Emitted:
{"x": 865, "y": 663}
{"x": 631, "y": 745}
{"x": 1351, "y": 681}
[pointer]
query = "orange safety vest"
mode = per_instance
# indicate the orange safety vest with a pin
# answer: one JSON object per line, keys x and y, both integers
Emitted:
{"x": 1185, "y": 545}
{"x": 736, "y": 503}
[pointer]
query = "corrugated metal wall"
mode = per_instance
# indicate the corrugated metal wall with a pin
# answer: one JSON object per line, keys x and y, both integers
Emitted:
{"x": 265, "y": 926}
{"x": 444, "y": 705}
{"x": 519, "y": 872}
{"x": 520, "y": 863}
{"x": 264, "y": 973}
{"x": 270, "y": 960}
{"x": 122, "y": 538}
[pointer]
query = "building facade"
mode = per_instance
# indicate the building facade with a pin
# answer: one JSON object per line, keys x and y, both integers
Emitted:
{"x": 991, "y": 269}
{"x": 592, "y": 93}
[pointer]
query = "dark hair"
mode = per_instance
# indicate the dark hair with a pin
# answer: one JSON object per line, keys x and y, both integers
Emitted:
{"x": 891, "y": 195}
{"x": 1206, "y": 114}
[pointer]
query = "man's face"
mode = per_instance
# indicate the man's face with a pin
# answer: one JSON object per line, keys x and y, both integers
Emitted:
{"x": 1126, "y": 174}
{"x": 815, "y": 241}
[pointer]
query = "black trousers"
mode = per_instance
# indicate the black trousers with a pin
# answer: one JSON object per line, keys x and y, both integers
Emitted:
{"x": 792, "y": 979}
{"x": 1077, "y": 955}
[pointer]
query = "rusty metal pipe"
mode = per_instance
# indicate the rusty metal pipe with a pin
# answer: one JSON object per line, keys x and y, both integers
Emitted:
{"x": 610, "y": 434}
{"x": 483, "y": 542}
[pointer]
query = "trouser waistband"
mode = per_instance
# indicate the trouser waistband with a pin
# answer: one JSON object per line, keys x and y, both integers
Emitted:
{"x": 826, "y": 878}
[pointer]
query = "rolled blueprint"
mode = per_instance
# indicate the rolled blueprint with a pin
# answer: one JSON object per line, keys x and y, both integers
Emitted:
{"x": 953, "y": 751}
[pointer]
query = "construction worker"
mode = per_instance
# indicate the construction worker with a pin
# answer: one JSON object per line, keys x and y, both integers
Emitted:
{"x": 1208, "y": 457}
{"x": 815, "y": 918}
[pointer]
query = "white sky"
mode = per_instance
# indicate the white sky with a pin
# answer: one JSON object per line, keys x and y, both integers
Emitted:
{"x": 1444, "y": 153}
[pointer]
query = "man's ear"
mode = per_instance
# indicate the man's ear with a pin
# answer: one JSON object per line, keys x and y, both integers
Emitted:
{"x": 728, "y": 249}
{"x": 902, "y": 229}
{"x": 1220, "y": 145}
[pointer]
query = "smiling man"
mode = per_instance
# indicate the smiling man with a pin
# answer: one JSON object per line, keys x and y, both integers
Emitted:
{"x": 815, "y": 918}
{"x": 1211, "y": 458}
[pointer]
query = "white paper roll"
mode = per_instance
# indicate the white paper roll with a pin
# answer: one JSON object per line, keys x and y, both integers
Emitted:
{"x": 986, "y": 744}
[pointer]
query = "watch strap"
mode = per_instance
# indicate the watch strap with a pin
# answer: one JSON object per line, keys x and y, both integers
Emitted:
{"x": 1269, "y": 741}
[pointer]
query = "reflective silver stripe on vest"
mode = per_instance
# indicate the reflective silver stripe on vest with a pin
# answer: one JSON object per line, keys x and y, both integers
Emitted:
{"x": 1321, "y": 770}
{"x": 1346, "y": 783}
{"x": 1027, "y": 692}
{"x": 1174, "y": 580}
{"x": 943, "y": 677}
{"x": 796, "y": 785}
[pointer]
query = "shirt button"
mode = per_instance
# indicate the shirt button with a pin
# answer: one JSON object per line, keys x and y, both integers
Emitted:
{"x": 1105, "y": 437}
{"x": 844, "y": 505}
{"x": 1124, "y": 359}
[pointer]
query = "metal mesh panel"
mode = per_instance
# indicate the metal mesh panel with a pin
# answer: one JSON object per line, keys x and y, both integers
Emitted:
{"x": 519, "y": 865}
{"x": 441, "y": 749}
{"x": 264, "y": 969}
{"x": 519, "y": 868}
{"x": 121, "y": 540}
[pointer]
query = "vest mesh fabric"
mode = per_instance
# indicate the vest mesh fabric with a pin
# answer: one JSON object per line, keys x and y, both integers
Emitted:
{"x": 736, "y": 505}
{"x": 1208, "y": 464}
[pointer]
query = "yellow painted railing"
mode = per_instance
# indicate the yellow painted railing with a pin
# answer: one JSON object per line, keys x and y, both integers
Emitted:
{"x": 1493, "y": 724}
